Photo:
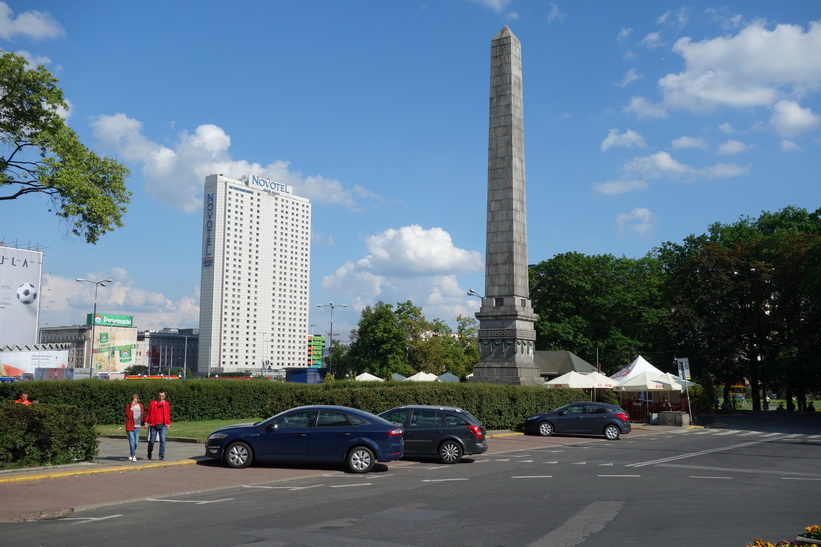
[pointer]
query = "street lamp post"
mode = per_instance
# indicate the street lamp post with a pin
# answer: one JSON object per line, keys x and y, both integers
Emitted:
{"x": 331, "y": 334}
{"x": 471, "y": 292}
{"x": 97, "y": 285}
{"x": 263, "y": 353}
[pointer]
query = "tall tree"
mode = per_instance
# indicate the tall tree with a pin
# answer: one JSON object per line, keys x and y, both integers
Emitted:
{"x": 600, "y": 305}
{"x": 40, "y": 154}
{"x": 380, "y": 343}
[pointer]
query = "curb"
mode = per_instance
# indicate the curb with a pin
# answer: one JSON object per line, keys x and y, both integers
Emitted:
{"x": 78, "y": 472}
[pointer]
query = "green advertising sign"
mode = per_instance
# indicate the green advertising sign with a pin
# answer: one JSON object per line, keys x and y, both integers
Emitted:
{"x": 103, "y": 319}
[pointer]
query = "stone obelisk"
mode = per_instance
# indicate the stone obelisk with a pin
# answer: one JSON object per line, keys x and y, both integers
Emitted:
{"x": 507, "y": 336}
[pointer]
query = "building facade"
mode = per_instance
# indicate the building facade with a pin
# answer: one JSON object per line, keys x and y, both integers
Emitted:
{"x": 162, "y": 350}
{"x": 256, "y": 246}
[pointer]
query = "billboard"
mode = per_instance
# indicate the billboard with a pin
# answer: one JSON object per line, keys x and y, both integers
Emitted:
{"x": 17, "y": 363}
{"x": 21, "y": 274}
{"x": 113, "y": 347}
{"x": 105, "y": 319}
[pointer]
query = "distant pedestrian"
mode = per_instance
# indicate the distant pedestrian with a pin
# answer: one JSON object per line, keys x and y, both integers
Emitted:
{"x": 24, "y": 399}
{"x": 134, "y": 418}
{"x": 158, "y": 421}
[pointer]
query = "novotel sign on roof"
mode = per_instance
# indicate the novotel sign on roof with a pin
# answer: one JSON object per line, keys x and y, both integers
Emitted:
{"x": 270, "y": 185}
{"x": 109, "y": 320}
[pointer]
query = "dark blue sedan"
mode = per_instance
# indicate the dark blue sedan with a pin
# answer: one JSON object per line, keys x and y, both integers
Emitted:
{"x": 327, "y": 434}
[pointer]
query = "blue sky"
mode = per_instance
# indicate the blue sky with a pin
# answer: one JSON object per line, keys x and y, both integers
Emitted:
{"x": 644, "y": 122}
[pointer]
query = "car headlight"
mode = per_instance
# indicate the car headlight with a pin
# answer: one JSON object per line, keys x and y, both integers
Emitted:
{"x": 215, "y": 436}
{"x": 532, "y": 418}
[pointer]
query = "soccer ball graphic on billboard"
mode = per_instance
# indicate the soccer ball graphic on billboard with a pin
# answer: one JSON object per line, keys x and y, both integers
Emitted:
{"x": 26, "y": 293}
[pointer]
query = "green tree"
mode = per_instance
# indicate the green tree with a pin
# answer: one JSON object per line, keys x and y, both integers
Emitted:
{"x": 40, "y": 154}
{"x": 379, "y": 345}
{"x": 600, "y": 305}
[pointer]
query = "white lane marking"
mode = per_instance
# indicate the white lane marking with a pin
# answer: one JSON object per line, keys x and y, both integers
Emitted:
{"x": 579, "y": 463}
{"x": 605, "y": 465}
{"x": 532, "y": 477}
{"x": 798, "y": 479}
{"x": 350, "y": 485}
{"x": 707, "y": 477}
{"x": 693, "y": 454}
{"x": 443, "y": 480}
{"x": 196, "y": 502}
{"x": 557, "y": 461}
{"x": 281, "y": 487}
{"x": 86, "y": 520}
{"x": 621, "y": 476}
{"x": 503, "y": 460}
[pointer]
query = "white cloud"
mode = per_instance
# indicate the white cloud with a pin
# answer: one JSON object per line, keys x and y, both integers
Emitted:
{"x": 732, "y": 147}
{"x": 686, "y": 142}
{"x": 789, "y": 146}
{"x": 613, "y": 187}
{"x": 31, "y": 24}
{"x": 409, "y": 263}
{"x": 756, "y": 67}
{"x": 726, "y": 128}
{"x": 663, "y": 165}
{"x": 66, "y": 302}
{"x": 645, "y": 109}
{"x": 660, "y": 164}
{"x": 617, "y": 139}
{"x": 722, "y": 171}
{"x": 677, "y": 18}
{"x": 413, "y": 250}
{"x": 555, "y": 14}
{"x": 630, "y": 77}
{"x": 790, "y": 120}
{"x": 205, "y": 152}
{"x": 496, "y": 5}
{"x": 652, "y": 41}
{"x": 623, "y": 35}
{"x": 640, "y": 221}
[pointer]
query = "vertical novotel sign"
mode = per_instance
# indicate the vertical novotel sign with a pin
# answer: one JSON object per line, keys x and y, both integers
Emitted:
{"x": 209, "y": 211}
{"x": 269, "y": 185}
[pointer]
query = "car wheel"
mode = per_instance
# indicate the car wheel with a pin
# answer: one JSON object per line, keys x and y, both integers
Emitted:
{"x": 238, "y": 455}
{"x": 360, "y": 460}
{"x": 545, "y": 429}
{"x": 612, "y": 433}
{"x": 450, "y": 452}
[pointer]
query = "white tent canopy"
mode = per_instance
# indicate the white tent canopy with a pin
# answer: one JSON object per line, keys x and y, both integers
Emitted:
{"x": 646, "y": 381}
{"x": 368, "y": 377}
{"x": 582, "y": 380}
{"x": 422, "y": 377}
{"x": 635, "y": 368}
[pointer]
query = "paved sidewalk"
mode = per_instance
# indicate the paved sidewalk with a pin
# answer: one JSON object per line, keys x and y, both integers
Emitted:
{"x": 112, "y": 456}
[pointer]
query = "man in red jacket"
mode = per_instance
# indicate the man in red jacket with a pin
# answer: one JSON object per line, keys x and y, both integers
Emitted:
{"x": 158, "y": 420}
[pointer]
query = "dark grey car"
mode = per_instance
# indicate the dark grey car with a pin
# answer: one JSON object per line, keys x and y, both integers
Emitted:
{"x": 443, "y": 431}
{"x": 586, "y": 418}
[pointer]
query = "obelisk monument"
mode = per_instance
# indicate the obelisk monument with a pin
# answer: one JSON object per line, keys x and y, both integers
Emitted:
{"x": 507, "y": 336}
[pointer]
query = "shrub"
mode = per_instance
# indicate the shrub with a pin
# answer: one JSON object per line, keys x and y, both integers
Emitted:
{"x": 497, "y": 406}
{"x": 42, "y": 434}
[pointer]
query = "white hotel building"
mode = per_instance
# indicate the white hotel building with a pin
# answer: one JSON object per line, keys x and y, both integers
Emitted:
{"x": 256, "y": 249}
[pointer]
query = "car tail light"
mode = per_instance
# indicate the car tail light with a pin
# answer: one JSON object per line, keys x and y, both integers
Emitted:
{"x": 623, "y": 416}
{"x": 397, "y": 432}
{"x": 476, "y": 430}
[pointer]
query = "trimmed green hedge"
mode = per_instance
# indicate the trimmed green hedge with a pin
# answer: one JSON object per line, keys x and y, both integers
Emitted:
{"x": 45, "y": 435}
{"x": 497, "y": 406}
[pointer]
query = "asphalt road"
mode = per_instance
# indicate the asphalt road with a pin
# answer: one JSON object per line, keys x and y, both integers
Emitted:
{"x": 723, "y": 486}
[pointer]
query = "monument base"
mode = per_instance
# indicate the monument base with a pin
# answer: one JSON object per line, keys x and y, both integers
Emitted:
{"x": 507, "y": 373}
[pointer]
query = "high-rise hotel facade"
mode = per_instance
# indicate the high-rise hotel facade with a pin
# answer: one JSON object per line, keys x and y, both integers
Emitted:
{"x": 256, "y": 258}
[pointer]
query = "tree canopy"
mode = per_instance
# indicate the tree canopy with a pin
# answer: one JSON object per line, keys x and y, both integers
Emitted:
{"x": 40, "y": 154}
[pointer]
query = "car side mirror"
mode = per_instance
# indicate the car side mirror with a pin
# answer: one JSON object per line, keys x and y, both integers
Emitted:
{"x": 562, "y": 413}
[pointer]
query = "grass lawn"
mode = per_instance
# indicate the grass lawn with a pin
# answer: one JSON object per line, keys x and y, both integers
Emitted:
{"x": 192, "y": 430}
